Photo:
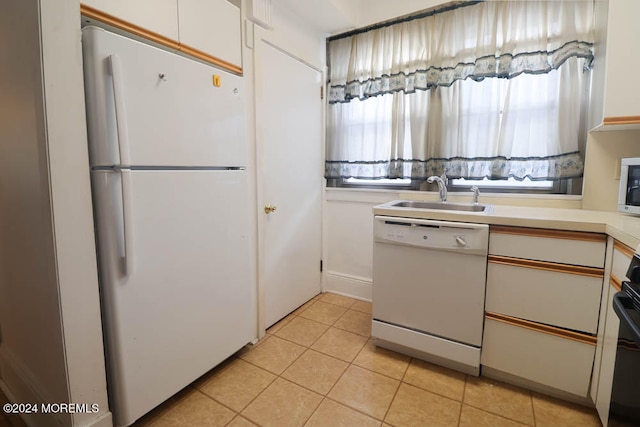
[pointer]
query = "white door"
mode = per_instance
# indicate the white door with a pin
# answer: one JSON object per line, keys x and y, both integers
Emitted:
{"x": 289, "y": 138}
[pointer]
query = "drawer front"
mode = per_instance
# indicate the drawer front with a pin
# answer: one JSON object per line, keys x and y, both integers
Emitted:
{"x": 622, "y": 255}
{"x": 566, "y": 300}
{"x": 564, "y": 247}
{"x": 553, "y": 361}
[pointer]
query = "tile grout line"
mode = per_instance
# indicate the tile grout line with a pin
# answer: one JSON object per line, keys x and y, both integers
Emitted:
{"x": 400, "y": 382}
{"x": 395, "y": 393}
{"x": 324, "y": 397}
{"x": 533, "y": 409}
{"x": 499, "y": 415}
{"x": 313, "y": 412}
{"x": 250, "y": 402}
{"x": 464, "y": 392}
{"x": 279, "y": 376}
{"x": 305, "y": 388}
{"x": 340, "y": 377}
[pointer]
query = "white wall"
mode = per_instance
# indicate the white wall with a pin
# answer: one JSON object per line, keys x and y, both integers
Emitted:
{"x": 51, "y": 348}
{"x": 373, "y": 11}
{"x": 602, "y": 167}
{"x": 348, "y": 240}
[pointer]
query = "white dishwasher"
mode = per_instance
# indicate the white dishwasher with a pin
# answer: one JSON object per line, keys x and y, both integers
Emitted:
{"x": 428, "y": 289}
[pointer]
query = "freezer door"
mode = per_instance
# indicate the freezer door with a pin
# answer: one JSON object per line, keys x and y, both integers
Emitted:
{"x": 187, "y": 301}
{"x": 150, "y": 107}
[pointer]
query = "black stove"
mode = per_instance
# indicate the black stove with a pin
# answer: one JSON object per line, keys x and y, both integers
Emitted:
{"x": 624, "y": 409}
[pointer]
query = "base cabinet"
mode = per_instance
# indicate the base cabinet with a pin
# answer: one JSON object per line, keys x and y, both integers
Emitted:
{"x": 541, "y": 357}
{"x": 602, "y": 382}
{"x": 608, "y": 360}
{"x": 543, "y": 297}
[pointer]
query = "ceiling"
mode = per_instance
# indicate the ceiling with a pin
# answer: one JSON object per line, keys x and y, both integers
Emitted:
{"x": 327, "y": 16}
{"x": 338, "y": 16}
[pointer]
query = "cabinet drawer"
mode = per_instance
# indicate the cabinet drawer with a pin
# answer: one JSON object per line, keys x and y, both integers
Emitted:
{"x": 566, "y": 299}
{"x": 566, "y": 247}
{"x": 542, "y": 357}
{"x": 622, "y": 255}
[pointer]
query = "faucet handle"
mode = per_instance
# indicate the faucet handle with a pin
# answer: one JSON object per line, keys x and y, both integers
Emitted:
{"x": 444, "y": 178}
{"x": 476, "y": 193}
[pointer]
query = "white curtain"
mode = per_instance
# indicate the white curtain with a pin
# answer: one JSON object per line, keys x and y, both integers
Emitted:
{"x": 495, "y": 89}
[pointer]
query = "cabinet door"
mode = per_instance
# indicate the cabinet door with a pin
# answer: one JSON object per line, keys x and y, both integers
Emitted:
{"x": 546, "y": 359}
{"x": 622, "y": 90}
{"x": 159, "y": 16}
{"x": 555, "y": 298}
{"x": 213, "y": 27}
{"x": 564, "y": 247}
{"x": 610, "y": 342}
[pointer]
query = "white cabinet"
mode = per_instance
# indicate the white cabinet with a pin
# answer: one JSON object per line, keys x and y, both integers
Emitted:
{"x": 543, "y": 297}
{"x": 158, "y": 16}
{"x": 211, "y": 26}
{"x": 538, "y": 355}
{"x": 565, "y": 299}
{"x": 556, "y": 246}
{"x": 608, "y": 359}
{"x": 608, "y": 330}
{"x": 622, "y": 89}
{"x": 209, "y": 30}
{"x": 614, "y": 89}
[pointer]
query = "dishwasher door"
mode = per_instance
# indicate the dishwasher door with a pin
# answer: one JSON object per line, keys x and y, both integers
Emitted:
{"x": 429, "y": 277}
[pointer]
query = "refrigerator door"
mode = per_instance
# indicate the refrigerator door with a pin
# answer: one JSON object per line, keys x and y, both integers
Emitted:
{"x": 150, "y": 107}
{"x": 187, "y": 301}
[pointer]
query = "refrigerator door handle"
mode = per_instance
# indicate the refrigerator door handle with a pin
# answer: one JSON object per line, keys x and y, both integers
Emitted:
{"x": 127, "y": 212}
{"x": 121, "y": 110}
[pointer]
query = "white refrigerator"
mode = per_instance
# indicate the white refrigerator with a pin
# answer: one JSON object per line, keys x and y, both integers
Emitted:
{"x": 168, "y": 158}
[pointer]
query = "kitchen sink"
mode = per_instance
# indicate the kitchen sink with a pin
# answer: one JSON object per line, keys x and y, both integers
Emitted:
{"x": 439, "y": 206}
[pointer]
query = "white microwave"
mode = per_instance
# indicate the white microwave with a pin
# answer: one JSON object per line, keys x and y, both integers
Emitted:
{"x": 629, "y": 193}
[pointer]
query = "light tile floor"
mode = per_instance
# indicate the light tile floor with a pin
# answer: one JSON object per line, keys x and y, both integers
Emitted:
{"x": 319, "y": 367}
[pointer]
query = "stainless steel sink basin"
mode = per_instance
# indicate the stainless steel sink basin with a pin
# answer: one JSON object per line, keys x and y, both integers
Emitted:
{"x": 439, "y": 206}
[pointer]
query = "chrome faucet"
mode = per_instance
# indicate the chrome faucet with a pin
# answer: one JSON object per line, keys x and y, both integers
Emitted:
{"x": 442, "y": 185}
{"x": 476, "y": 194}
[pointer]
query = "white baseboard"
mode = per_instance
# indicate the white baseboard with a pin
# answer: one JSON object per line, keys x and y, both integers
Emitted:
{"x": 20, "y": 386}
{"x": 344, "y": 284}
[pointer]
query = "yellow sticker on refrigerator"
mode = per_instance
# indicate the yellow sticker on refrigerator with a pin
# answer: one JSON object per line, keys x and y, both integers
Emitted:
{"x": 216, "y": 80}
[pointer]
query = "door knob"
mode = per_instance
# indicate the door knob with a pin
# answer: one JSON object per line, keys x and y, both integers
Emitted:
{"x": 269, "y": 209}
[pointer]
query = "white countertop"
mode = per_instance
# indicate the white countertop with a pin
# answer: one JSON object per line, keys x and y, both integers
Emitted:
{"x": 622, "y": 227}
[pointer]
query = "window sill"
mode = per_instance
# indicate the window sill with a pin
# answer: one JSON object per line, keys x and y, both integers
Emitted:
{"x": 368, "y": 195}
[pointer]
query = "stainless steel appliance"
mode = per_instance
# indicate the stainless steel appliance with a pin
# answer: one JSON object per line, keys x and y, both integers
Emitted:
{"x": 429, "y": 280}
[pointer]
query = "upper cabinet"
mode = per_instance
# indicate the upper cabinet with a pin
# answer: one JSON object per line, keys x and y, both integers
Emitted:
{"x": 158, "y": 16}
{"x": 205, "y": 29}
{"x": 622, "y": 89}
{"x": 211, "y": 26}
{"x": 616, "y": 65}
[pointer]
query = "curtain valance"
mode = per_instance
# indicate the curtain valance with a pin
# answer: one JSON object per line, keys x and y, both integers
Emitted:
{"x": 489, "y": 39}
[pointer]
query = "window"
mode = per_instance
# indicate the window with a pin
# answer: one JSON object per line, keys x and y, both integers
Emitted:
{"x": 427, "y": 95}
